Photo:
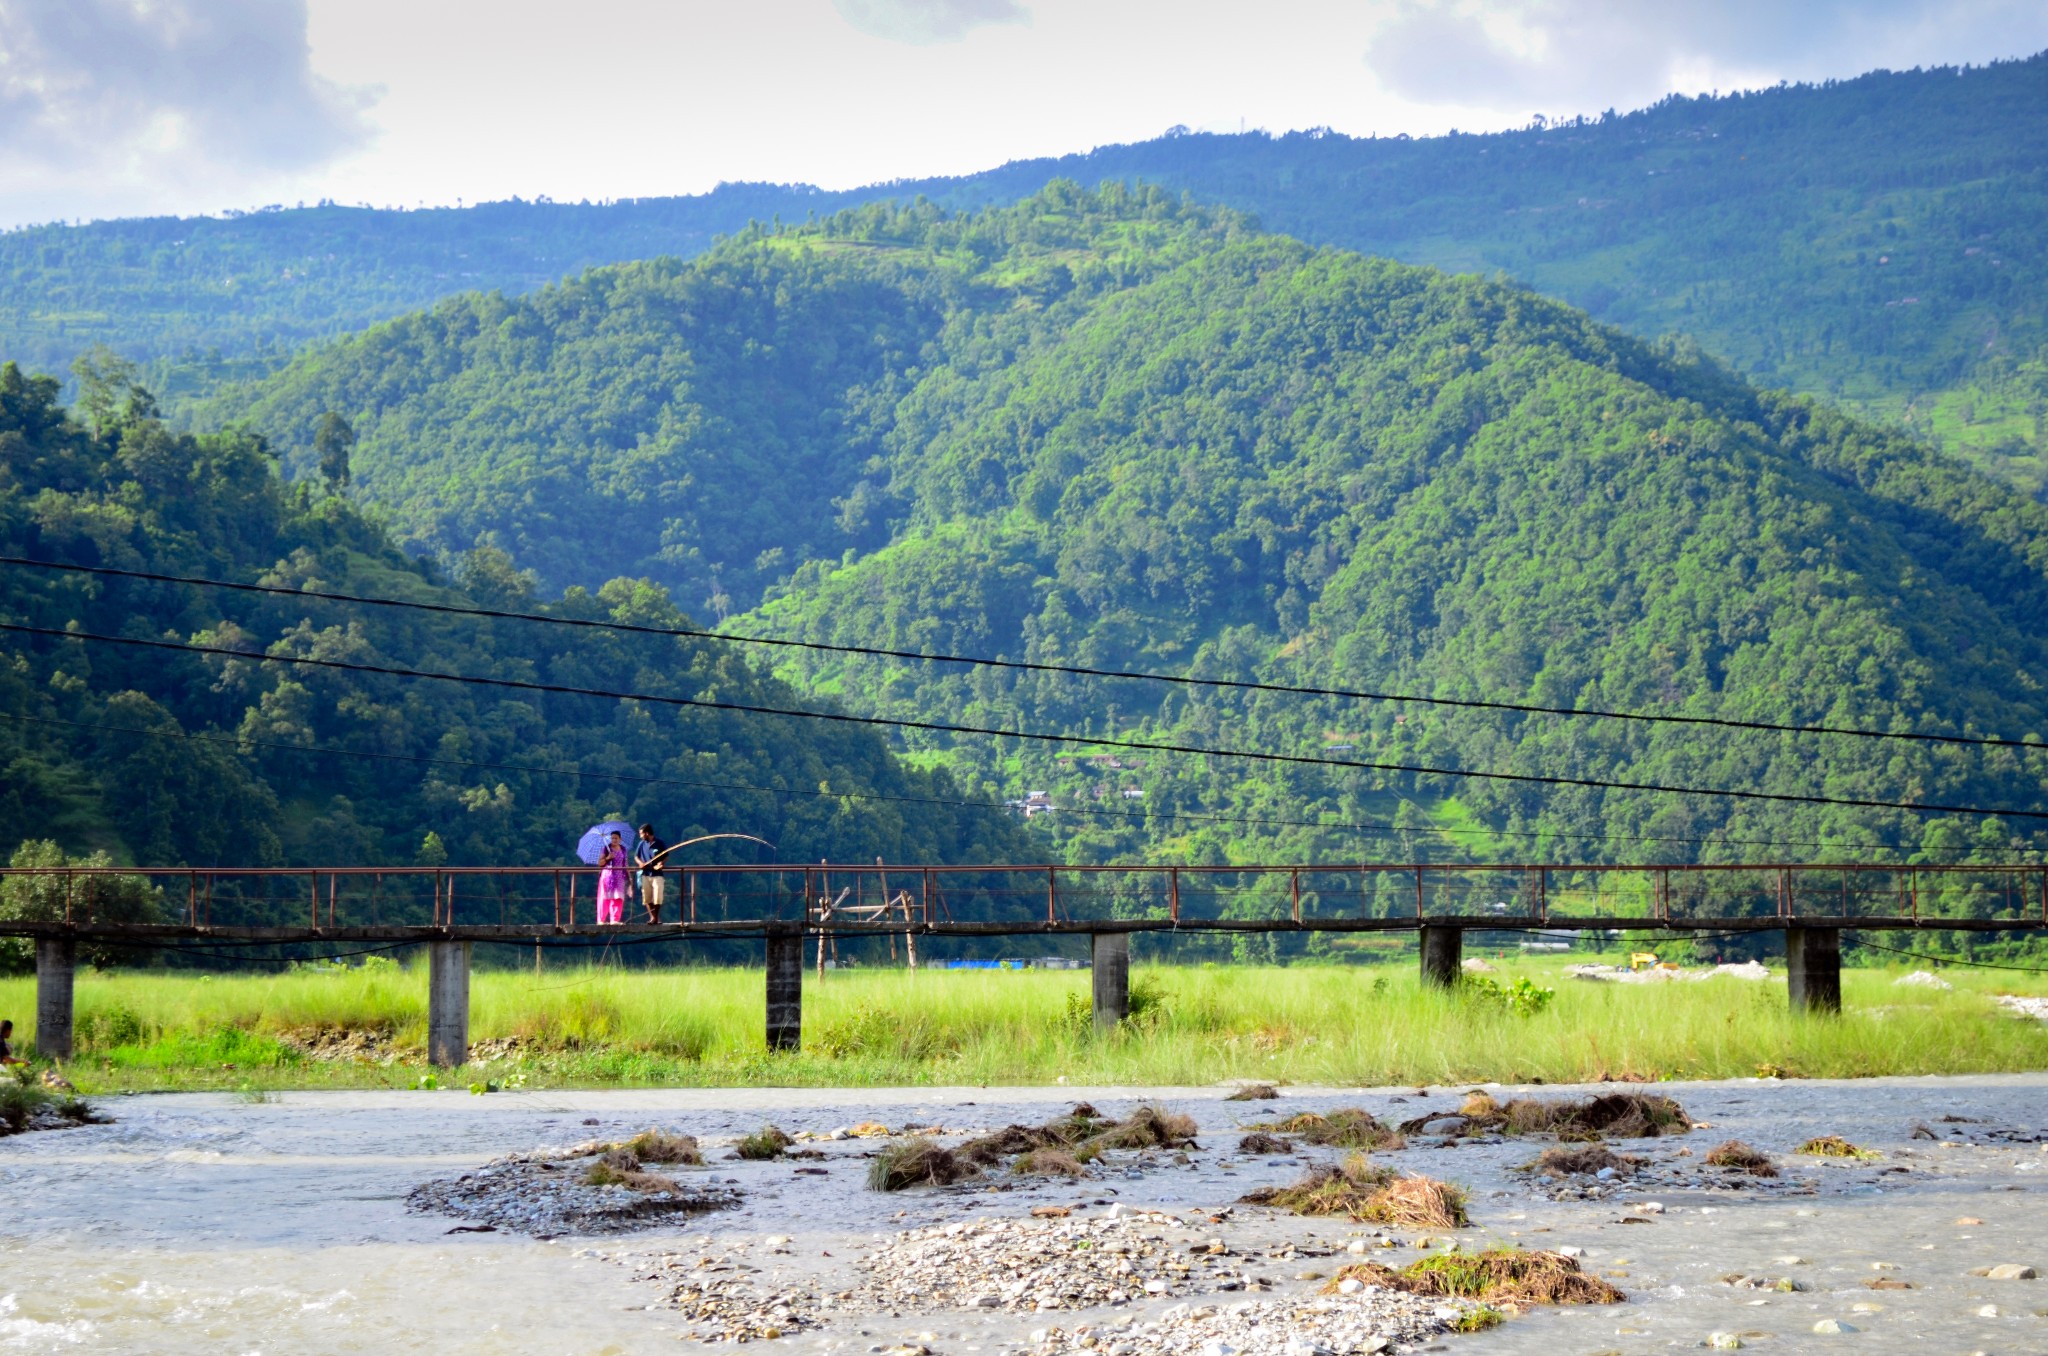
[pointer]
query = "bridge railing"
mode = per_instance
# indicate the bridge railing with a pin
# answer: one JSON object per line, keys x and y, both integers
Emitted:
{"x": 848, "y": 896}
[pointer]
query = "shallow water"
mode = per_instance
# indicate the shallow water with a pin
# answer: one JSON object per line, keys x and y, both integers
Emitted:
{"x": 201, "y": 1223}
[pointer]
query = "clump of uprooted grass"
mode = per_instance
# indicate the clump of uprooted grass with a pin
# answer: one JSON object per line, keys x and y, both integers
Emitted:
{"x": 1366, "y": 1191}
{"x": 1619, "y": 1115}
{"x": 1833, "y": 1146}
{"x": 658, "y": 1146}
{"x": 1511, "y": 1277}
{"x": 1741, "y": 1158}
{"x": 1149, "y": 1127}
{"x": 1583, "y": 1160}
{"x": 1254, "y": 1092}
{"x": 621, "y": 1167}
{"x": 1048, "y": 1163}
{"x": 1259, "y": 1142}
{"x": 1347, "y": 1128}
{"x": 1072, "y": 1132}
{"x": 767, "y": 1142}
{"x": 919, "y": 1162}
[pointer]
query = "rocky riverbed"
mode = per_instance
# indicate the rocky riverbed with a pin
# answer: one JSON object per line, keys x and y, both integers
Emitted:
{"x": 350, "y": 1221}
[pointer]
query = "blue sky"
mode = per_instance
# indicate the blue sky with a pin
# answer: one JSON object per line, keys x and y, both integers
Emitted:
{"x": 127, "y": 107}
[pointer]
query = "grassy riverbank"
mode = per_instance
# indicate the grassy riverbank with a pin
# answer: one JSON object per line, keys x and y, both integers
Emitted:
{"x": 1193, "y": 1025}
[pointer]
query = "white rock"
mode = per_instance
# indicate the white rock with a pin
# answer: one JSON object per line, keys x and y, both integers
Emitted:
{"x": 1988, "y": 1311}
{"x": 1923, "y": 979}
{"x": 1723, "y": 1341}
{"x": 1834, "y": 1325}
{"x": 1350, "y": 1285}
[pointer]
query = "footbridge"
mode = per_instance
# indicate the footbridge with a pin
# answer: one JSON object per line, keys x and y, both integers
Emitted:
{"x": 796, "y": 910}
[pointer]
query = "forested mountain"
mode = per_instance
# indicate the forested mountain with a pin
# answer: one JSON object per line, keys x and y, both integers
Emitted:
{"x": 1114, "y": 428}
{"x": 1875, "y": 240}
{"x": 168, "y": 758}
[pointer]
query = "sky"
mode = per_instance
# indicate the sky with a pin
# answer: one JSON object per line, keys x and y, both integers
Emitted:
{"x": 148, "y": 107}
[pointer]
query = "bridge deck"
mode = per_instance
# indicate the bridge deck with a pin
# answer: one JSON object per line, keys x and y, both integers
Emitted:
{"x": 483, "y": 904}
{"x": 762, "y": 927}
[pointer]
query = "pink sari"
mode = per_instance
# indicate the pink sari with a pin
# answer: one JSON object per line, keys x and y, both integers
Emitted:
{"x": 611, "y": 886}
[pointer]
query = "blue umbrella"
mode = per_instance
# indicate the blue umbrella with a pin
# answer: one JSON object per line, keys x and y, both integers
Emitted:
{"x": 590, "y": 847}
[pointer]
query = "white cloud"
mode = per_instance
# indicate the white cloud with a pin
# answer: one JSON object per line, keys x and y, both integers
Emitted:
{"x": 105, "y": 102}
{"x": 925, "y": 21}
{"x": 1569, "y": 56}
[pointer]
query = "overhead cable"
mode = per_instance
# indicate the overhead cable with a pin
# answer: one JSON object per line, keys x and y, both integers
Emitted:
{"x": 1030, "y": 666}
{"x": 1094, "y": 741}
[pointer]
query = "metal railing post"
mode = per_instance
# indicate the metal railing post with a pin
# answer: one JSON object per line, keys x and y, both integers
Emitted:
{"x": 1294, "y": 886}
{"x": 1051, "y": 896}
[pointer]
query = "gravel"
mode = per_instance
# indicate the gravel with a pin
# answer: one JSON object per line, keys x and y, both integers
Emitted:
{"x": 543, "y": 1193}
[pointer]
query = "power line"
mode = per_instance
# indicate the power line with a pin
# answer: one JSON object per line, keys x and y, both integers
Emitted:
{"x": 237, "y": 742}
{"x": 942, "y": 727}
{"x": 1952, "y": 960}
{"x": 1028, "y": 666}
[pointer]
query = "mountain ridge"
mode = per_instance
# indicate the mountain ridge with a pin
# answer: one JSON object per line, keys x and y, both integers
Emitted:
{"x": 1872, "y": 239}
{"x": 1113, "y": 427}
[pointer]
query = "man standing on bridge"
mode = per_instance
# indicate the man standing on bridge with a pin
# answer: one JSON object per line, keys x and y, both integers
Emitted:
{"x": 647, "y": 853}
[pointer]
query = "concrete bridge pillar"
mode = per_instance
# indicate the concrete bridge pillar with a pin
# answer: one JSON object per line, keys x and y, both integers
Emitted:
{"x": 1443, "y": 950}
{"x": 1813, "y": 969}
{"x": 55, "y": 964}
{"x": 448, "y": 1004}
{"x": 785, "y": 987}
{"x": 1110, "y": 960}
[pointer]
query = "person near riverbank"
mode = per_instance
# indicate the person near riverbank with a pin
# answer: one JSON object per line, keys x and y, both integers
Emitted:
{"x": 611, "y": 884}
{"x": 7, "y": 1055}
{"x": 647, "y": 853}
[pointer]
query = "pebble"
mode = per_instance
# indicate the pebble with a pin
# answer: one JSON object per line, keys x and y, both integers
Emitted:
{"x": 2008, "y": 1271}
{"x": 1834, "y": 1325}
{"x": 1723, "y": 1341}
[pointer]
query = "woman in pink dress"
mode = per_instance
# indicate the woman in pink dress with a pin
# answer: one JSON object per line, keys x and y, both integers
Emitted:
{"x": 611, "y": 886}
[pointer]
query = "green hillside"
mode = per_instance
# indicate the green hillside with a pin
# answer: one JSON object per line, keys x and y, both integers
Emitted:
{"x": 1115, "y": 429}
{"x": 1873, "y": 240}
{"x": 169, "y": 759}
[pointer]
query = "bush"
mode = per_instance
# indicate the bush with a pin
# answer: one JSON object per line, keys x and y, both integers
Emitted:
{"x": 1524, "y": 998}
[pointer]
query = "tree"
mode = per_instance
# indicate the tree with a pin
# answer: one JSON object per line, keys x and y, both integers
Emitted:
{"x": 107, "y": 387}
{"x": 332, "y": 439}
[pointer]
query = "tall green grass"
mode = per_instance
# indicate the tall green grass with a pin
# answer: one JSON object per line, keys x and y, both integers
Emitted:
{"x": 1195, "y": 1025}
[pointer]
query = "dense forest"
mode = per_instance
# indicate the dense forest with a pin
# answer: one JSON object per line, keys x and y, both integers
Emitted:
{"x": 1875, "y": 240}
{"x": 1115, "y": 428}
{"x": 183, "y": 758}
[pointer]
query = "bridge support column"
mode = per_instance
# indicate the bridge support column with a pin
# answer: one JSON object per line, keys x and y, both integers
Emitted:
{"x": 55, "y": 964}
{"x": 1443, "y": 952}
{"x": 1813, "y": 969}
{"x": 1110, "y": 960}
{"x": 448, "y": 1004}
{"x": 785, "y": 988}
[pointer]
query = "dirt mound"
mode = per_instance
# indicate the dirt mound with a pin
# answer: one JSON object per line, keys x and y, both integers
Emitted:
{"x": 1510, "y": 1277}
{"x": 1587, "y": 1160}
{"x": 1259, "y": 1142}
{"x": 1346, "y": 1128}
{"x": 1619, "y": 1115}
{"x": 1363, "y": 1190}
{"x": 1149, "y": 1127}
{"x": 919, "y": 1162}
{"x": 1740, "y": 1157}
